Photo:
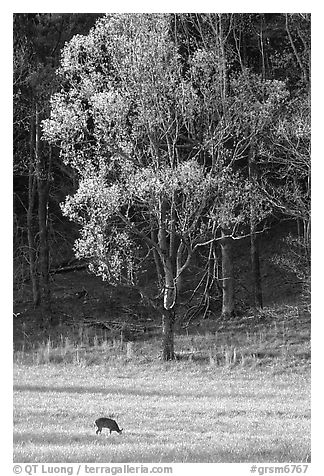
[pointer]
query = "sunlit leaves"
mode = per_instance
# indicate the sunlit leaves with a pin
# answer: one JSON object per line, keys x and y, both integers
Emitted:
{"x": 256, "y": 102}
{"x": 130, "y": 120}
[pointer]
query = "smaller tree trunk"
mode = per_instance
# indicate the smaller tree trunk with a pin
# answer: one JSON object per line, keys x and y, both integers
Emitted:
{"x": 43, "y": 243}
{"x": 255, "y": 267}
{"x": 32, "y": 256}
{"x": 254, "y": 244}
{"x": 43, "y": 166}
{"x": 228, "y": 307}
{"x": 30, "y": 221}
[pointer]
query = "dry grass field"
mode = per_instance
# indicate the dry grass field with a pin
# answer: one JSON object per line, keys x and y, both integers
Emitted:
{"x": 170, "y": 412}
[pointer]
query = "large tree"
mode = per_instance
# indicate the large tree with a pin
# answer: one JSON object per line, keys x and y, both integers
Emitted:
{"x": 126, "y": 120}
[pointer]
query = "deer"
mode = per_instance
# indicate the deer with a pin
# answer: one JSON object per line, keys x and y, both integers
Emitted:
{"x": 107, "y": 423}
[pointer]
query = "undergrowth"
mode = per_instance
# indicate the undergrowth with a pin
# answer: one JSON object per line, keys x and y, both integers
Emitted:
{"x": 270, "y": 337}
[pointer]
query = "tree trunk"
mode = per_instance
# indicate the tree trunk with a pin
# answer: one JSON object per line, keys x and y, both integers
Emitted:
{"x": 43, "y": 243}
{"x": 43, "y": 191}
{"x": 32, "y": 252}
{"x": 157, "y": 260}
{"x": 30, "y": 225}
{"x": 254, "y": 244}
{"x": 228, "y": 307}
{"x": 168, "y": 318}
{"x": 169, "y": 297}
{"x": 255, "y": 267}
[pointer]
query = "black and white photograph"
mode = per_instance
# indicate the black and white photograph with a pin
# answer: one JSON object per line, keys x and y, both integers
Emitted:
{"x": 161, "y": 240}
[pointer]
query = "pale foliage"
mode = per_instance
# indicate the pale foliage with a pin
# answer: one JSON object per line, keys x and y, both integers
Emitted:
{"x": 138, "y": 129}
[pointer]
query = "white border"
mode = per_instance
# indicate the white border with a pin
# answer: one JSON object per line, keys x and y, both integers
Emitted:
{"x": 317, "y": 176}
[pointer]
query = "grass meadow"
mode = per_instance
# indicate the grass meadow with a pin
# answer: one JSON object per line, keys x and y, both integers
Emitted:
{"x": 182, "y": 411}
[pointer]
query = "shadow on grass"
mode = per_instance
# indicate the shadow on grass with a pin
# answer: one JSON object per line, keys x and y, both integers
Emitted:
{"x": 102, "y": 391}
{"x": 140, "y": 392}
